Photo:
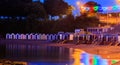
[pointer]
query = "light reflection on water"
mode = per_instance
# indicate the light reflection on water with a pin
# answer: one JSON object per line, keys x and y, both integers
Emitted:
{"x": 76, "y": 56}
{"x": 51, "y": 55}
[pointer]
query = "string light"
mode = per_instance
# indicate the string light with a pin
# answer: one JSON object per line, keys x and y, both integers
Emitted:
{"x": 99, "y": 8}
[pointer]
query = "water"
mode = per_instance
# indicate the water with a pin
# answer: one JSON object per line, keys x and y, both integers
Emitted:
{"x": 49, "y": 55}
{"x": 39, "y": 55}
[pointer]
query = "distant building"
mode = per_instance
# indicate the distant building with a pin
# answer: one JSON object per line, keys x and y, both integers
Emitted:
{"x": 99, "y": 30}
{"x": 112, "y": 18}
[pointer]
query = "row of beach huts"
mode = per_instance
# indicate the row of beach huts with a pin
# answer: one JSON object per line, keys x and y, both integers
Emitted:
{"x": 96, "y": 34}
{"x": 36, "y": 36}
{"x": 64, "y": 36}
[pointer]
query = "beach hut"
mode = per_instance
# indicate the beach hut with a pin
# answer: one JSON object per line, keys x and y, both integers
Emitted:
{"x": 43, "y": 37}
{"x": 60, "y": 35}
{"x": 22, "y": 36}
{"x": 36, "y": 36}
{"x": 53, "y": 37}
{"x": 12, "y": 36}
{"x": 67, "y": 36}
{"x": 27, "y": 36}
{"x": 33, "y": 36}
{"x": 39, "y": 36}
{"x": 71, "y": 36}
{"x": 30, "y": 36}
{"x": 8, "y": 36}
{"x": 56, "y": 36}
{"x": 48, "y": 37}
{"x": 17, "y": 36}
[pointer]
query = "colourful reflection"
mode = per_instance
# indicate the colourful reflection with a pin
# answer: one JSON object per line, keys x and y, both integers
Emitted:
{"x": 82, "y": 58}
{"x": 76, "y": 56}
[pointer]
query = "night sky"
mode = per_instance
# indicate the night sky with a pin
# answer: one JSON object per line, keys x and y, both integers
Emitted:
{"x": 103, "y": 3}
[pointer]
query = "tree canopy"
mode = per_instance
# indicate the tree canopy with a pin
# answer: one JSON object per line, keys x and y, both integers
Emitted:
{"x": 36, "y": 11}
{"x": 91, "y": 5}
{"x": 57, "y": 7}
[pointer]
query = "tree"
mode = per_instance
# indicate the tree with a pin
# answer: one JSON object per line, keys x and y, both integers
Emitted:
{"x": 91, "y": 5}
{"x": 65, "y": 25}
{"x": 57, "y": 7}
{"x": 36, "y": 11}
{"x": 84, "y": 22}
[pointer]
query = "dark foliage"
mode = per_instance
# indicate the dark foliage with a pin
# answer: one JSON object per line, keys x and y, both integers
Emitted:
{"x": 37, "y": 17}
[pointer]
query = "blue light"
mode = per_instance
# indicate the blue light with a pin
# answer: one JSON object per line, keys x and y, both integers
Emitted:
{"x": 96, "y": 59}
{"x": 2, "y": 17}
{"x": 17, "y": 17}
{"x": 102, "y": 62}
{"x": 6, "y": 17}
{"x": 85, "y": 58}
{"x": 104, "y": 8}
{"x": 35, "y": 0}
{"x": 42, "y": 1}
{"x": 23, "y": 18}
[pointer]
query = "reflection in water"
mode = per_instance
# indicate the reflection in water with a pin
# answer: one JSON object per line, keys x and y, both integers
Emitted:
{"x": 76, "y": 56}
{"x": 39, "y": 55}
{"x": 50, "y": 55}
{"x": 82, "y": 58}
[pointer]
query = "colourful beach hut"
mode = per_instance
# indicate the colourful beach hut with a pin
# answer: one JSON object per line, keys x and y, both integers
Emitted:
{"x": 36, "y": 36}
{"x": 8, "y": 36}
{"x": 49, "y": 37}
{"x": 23, "y": 36}
{"x": 27, "y": 36}
{"x": 39, "y": 36}
{"x": 12, "y": 36}
{"x": 17, "y": 36}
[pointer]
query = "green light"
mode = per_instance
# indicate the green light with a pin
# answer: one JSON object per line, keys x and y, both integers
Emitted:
{"x": 95, "y": 8}
{"x": 113, "y": 61}
{"x": 94, "y": 60}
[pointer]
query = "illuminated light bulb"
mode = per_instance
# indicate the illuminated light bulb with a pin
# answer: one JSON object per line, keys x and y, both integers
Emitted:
{"x": 87, "y": 8}
{"x": 100, "y": 9}
{"x": 109, "y": 8}
{"x": 115, "y": 7}
{"x": 104, "y": 8}
{"x": 113, "y": 61}
{"x": 95, "y": 8}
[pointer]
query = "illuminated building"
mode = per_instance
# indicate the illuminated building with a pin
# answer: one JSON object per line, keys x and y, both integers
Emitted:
{"x": 112, "y": 18}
